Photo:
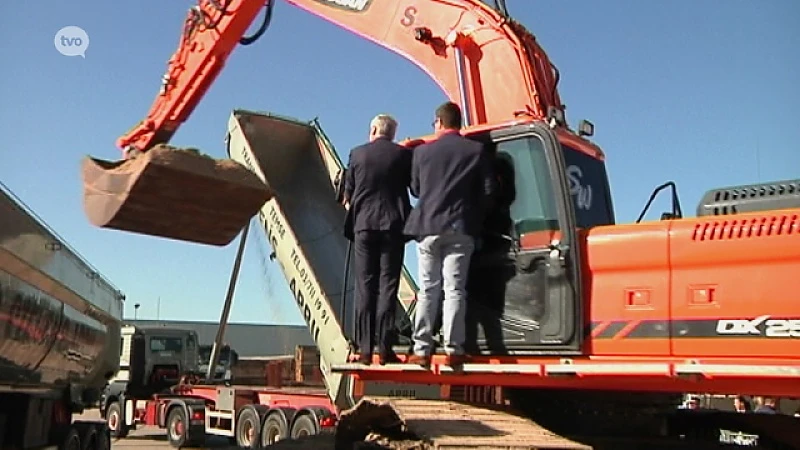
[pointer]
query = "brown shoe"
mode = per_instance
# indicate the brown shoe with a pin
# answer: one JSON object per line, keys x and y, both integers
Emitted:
{"x": 423, "y": 361}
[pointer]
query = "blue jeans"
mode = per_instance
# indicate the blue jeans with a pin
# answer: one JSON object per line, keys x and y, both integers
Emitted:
{"x": 443, "y": 266}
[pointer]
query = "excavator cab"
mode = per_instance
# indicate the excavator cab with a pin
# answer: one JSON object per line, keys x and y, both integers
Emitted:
{"x": 524, "y": 282}
{"x": 172, "y": 193}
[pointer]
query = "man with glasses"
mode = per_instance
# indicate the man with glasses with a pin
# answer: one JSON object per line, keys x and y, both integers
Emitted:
{"x": 452, "y": 179}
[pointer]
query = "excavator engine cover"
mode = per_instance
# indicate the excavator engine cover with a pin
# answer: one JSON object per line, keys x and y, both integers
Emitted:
{"x": 173, "y": 193}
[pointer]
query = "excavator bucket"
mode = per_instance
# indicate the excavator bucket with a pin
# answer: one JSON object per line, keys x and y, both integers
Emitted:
{"x": 173, "y": 193}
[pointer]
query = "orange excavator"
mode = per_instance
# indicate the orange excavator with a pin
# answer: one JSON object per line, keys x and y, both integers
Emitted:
{"x": 576, "y": 311}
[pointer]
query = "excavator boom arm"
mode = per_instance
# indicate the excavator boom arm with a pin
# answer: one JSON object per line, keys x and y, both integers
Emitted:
{"x": 479, "y": 57}
{"x": 211, "y": 31}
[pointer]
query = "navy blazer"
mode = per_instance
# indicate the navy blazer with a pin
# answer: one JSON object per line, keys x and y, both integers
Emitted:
{"x": 452, "y": 177}
{"x": 376, "y": 186}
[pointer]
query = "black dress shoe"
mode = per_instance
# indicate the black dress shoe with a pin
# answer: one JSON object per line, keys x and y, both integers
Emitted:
{"x": 365, "y": 359}
{"x": 391, "y": 358}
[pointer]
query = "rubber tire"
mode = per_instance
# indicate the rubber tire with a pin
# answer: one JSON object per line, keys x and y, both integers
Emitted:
{"x": 103, "y": 439}
{"x": 248, "y": 416}
{"x": 176, "y": 415}
{"x": 303, "y": 426}
{"x": 122, "y": 429}
{"x": 89, "y": 438}
{"x": 71, "y": 440}
{"x": 274, "y": 429}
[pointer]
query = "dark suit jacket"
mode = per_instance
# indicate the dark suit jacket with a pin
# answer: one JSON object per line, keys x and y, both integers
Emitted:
{"x": 376, "y": 185}
{"x": 452, "y": 178}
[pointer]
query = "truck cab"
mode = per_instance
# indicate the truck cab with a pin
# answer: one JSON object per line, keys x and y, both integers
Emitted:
{"x": 152, "y": 359}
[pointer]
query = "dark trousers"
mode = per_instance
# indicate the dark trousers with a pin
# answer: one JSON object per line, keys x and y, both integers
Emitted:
{"x": 378, "y": 262}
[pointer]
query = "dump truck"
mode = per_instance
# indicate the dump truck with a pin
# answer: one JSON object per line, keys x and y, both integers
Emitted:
{"x": 60, "y": 322}
{"x": 594, "y": 318}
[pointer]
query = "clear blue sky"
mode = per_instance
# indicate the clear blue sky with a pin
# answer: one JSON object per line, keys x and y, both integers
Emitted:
{"x": 701, "y": 92}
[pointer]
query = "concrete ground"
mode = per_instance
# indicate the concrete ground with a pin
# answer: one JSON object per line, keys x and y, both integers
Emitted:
{"x": 140, "y": 438}
{"x": 143, "y": 437}
{"x": 155, "y": 438}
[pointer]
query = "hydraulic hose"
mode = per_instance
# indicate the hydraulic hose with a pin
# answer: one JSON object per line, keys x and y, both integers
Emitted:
{"x": 247, "y": 40}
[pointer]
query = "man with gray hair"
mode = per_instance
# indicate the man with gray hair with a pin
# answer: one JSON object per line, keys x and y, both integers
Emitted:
{"x": 376, "y": 188}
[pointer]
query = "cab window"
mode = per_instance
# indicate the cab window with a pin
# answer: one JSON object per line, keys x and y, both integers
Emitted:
{"x": 166, "y": 344}
{"x": 534, "y": 207}
{"x": 588, "y": 187}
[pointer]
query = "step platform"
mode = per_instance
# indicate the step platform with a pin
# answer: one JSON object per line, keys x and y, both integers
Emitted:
{"x": 587, "y": 373}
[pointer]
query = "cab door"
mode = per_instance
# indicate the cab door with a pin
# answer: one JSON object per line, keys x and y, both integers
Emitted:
{"x": 540, "y": 274}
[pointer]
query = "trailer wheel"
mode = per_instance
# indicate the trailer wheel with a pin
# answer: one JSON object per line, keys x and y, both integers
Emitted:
{"x": 176, "y": 427}
{"x": 274, "y": 429}
{"x": 303, "y": 426}
{"x": 115, "y": 421}
{"x": 248, "y": 428}
{"x": 102, "y": 439}
{"x": 72, "y": 440}
{"x": 90, "y": 438}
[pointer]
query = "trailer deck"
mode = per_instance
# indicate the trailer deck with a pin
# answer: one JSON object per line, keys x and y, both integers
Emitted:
{"x": 298, "y": 397}
{"x": 210, "y": 389}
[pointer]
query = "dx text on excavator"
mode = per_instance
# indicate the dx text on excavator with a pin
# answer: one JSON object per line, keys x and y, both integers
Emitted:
{"x": 585, "y": 309}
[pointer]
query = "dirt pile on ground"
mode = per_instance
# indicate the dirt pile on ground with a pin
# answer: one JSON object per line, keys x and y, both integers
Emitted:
{"x": 328, "y": 442}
